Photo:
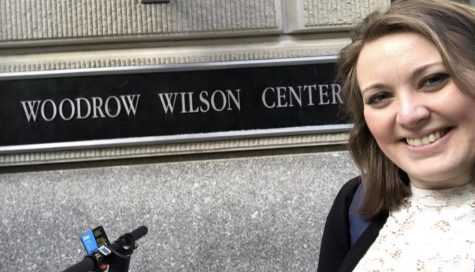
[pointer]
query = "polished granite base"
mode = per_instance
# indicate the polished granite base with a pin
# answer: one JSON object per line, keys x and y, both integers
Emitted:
{"x": 262, "y": 213}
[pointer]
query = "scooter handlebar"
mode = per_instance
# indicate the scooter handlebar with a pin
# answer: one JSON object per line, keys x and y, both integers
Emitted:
{"x": 87, "y": 264}
{"x": 139, "y": 232}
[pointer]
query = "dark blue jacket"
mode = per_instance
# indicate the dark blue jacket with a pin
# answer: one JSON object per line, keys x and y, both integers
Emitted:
{"x": 337, "y": 252}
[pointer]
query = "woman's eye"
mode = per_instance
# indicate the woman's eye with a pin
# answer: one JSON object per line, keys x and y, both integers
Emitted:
{"x": 377, "y": 98}
{"x": 433, "y": 80}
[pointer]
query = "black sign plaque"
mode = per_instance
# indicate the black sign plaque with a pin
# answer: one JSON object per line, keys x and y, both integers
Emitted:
{"x": 125, "y": 106}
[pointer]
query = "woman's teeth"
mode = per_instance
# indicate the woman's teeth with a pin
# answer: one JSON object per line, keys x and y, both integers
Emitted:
{"x": 424, "y": 140}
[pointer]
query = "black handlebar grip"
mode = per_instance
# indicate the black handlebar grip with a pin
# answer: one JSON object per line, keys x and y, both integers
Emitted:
{"x": 86, "y": 265}
{"x": 139, "y": 232}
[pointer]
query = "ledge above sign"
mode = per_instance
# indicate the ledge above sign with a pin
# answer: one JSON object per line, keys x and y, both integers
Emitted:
{"x": 154, "y": 1}
{"x": 127, "y": 106}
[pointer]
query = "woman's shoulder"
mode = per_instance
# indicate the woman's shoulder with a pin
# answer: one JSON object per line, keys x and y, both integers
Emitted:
{"x": 344, "y": 198}
{"x": 336, "y": 240}
{"x": 349, "y": 188}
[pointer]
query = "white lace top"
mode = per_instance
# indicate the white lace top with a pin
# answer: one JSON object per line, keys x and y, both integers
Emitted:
{"x": 433, "y": 231}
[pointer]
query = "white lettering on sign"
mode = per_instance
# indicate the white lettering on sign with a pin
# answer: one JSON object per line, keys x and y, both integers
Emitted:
{"x": 219, "y": 100}
{"x": 299, "y": 96}
{"x": 80, "y": 108}
{"x": 202, "y": 102}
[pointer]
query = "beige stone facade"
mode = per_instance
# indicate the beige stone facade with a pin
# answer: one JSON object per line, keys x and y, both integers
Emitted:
{"x": 250, "y": 204}
{"x": 49, "y": 35}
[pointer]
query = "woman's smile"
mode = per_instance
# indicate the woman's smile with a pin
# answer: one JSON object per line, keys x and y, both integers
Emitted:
{"x": 418, "y": 141}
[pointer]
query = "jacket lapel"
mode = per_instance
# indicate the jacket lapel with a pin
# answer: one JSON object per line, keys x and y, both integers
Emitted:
{"x": 358, "y": 250}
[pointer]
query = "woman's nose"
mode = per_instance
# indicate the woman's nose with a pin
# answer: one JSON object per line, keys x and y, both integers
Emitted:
{"x": 412, "y": 112}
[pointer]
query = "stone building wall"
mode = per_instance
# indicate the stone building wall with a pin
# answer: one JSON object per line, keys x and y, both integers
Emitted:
{"x": 245, "y": 204}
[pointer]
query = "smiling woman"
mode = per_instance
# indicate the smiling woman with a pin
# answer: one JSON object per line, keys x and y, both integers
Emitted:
{"x": 408, "y": 82}
{"x": 416, "y": 113}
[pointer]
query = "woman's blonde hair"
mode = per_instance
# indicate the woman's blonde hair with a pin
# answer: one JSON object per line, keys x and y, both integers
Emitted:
{"x": 450, "y": 26}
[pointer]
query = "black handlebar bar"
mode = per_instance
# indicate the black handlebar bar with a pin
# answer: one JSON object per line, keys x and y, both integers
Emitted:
{"x": 119, "y": 258}
{"x": 87, "y": 264}
{"x": 139, "y": 232}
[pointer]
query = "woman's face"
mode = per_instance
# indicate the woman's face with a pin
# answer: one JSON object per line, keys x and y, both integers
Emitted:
{"x": 419, "y": 118}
